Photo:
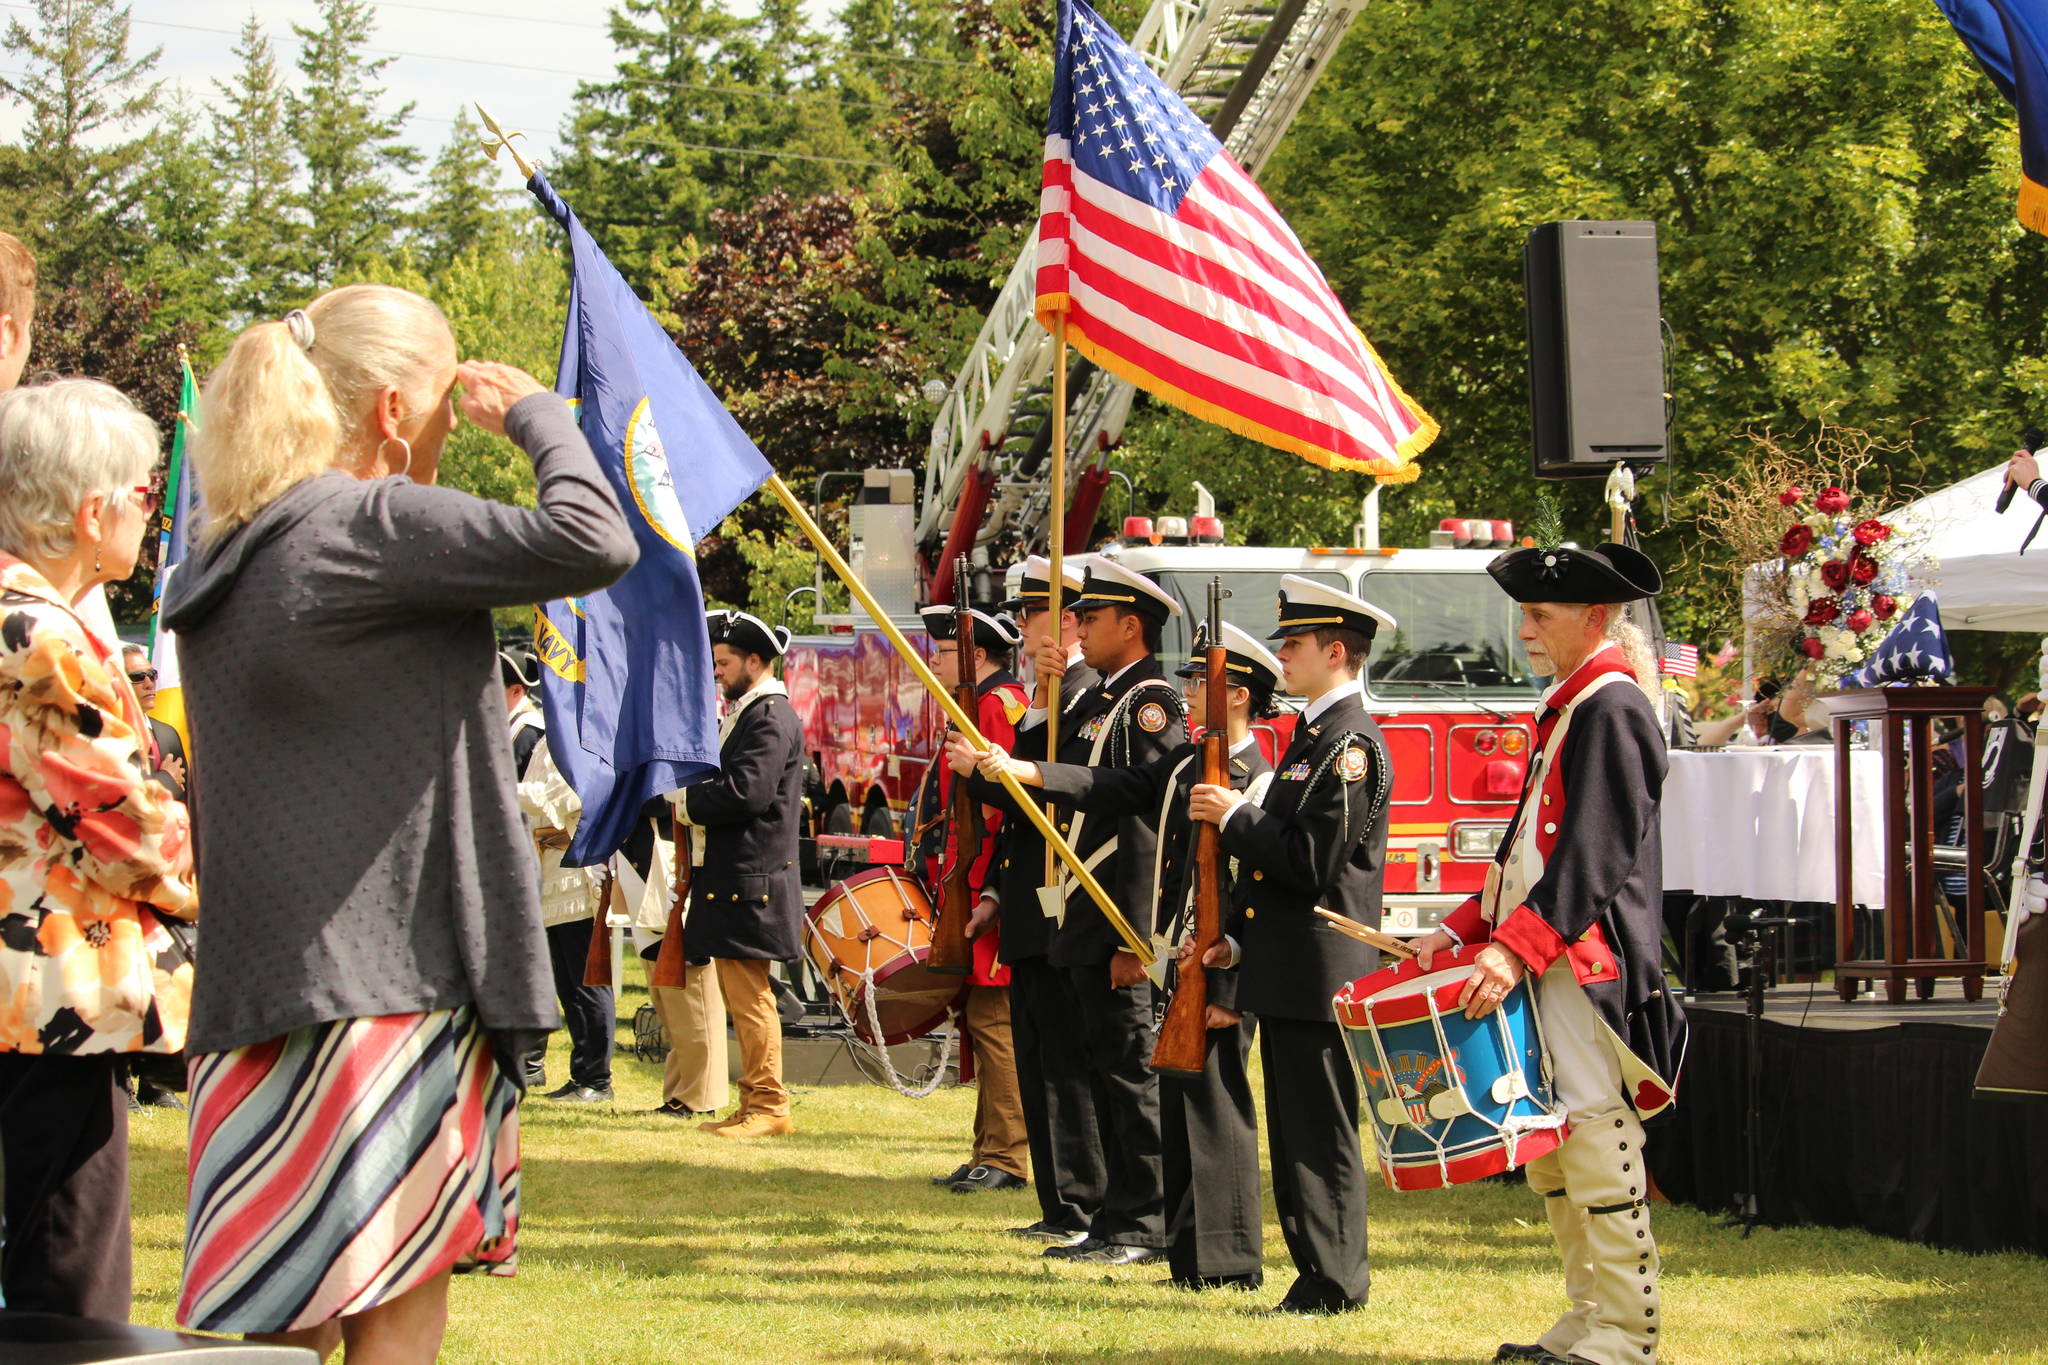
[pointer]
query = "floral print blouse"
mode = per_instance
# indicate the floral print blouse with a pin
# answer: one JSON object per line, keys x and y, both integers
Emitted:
{"x": 91, "y": 851}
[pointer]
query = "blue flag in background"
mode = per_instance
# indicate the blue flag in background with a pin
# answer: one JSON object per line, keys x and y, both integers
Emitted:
{"x": 1915, "y": 649}
{"x": 2009, "y": 39}
{"x": 632, "y": 710}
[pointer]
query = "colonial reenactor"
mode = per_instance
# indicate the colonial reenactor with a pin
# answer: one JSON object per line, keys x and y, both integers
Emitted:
{"x": 988, "y": 1056}
{"x": 1208, "y": 1128}
{"x": 1318, "y": 837}
{"x": 1060, "y": 1120}
{"x": 1572, "y": 903}
{"x": 746, "y": 901}
{"x": 1130, "y": 718}
{"x": 568, "y": 895}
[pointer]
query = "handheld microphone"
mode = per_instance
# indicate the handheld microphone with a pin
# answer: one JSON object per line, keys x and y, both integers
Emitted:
{"x": 2030, "y": 441}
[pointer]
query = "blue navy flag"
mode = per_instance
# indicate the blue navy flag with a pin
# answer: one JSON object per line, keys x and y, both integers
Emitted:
{"x": 1915, "y": 650}
{"x": 632, "y": 709}
{"x": 2009, "y": 39}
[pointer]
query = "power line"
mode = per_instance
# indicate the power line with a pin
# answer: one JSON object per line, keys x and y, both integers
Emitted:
{"x": 736, "y": 151}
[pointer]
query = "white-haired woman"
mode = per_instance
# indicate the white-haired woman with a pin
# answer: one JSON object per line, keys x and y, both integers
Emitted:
{"x": 375, "y": 965}
{"x": 91, "y": 851}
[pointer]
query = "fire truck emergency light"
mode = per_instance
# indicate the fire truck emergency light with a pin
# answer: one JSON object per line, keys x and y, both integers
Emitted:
{"x": 1207, "y": 530}
{"x": 1137, "y": 531}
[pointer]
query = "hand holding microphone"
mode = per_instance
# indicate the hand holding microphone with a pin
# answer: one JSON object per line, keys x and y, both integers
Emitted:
{"x": 2021, "y": 470}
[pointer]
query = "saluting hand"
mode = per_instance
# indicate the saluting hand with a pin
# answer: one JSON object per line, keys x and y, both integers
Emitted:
{"x": 489, "y": 390}
{"x": 1211, "y": 802}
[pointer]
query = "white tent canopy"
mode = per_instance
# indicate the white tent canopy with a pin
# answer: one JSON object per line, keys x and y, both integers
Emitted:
{"x": 1982, "y": 582}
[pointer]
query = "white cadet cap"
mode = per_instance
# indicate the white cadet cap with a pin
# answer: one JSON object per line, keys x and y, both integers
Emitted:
{"x": 1307, "y": 605}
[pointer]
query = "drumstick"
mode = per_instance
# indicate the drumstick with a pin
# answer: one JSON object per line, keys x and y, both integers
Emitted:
{"x": 1386, "y": 943}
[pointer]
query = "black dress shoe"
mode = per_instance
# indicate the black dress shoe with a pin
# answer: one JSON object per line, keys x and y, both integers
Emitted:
{"x": 1072, "y": 1251}
{"x": 1042, "y": 1231}
{"x": 676, "y": 1109}
{"x": 1121, "y": 1253}
{"x": 958, "y": 1173}
{"x": 156, "y": 1097}
{"x": 573, "y": 1093}
{"x": 987, "y": 1178}
{"x": 1509, "y": 1351}
{"x": 1294, "y": 1308}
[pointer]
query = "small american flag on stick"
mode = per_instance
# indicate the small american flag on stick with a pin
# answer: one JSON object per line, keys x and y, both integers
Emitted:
{"x": 1680, "y": 661}
{"x": 1173, "y": 271}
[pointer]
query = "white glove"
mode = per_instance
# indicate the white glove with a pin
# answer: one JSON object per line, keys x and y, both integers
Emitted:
{"x": 2034, "y": 897}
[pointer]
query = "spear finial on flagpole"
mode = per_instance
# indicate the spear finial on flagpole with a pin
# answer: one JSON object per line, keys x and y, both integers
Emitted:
{"x": 500, "y": 139}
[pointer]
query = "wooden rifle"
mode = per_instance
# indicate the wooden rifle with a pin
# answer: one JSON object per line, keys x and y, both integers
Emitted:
{"x": 1183, "y": 1045}
{"x": 597, "y": 964}
{"x": 669, "y": 967}
{"x": 952, "y": 952}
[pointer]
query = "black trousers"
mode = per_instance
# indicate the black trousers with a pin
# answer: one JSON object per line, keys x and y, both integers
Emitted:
{"x": 1209, "y": 1158}
{"x": 1319, "y": 1179}
{"x": 1117, "y": 1038}
{"x": 64, "y": 1131}
{"x": 1059, "y": 1102}
{"x": 587, "y": 1011}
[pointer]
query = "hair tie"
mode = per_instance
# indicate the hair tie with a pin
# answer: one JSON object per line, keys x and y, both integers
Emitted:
{"x": 301, "y": 328}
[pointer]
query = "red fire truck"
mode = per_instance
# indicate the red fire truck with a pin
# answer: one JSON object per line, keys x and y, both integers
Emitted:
{"x": 1451, "y": 689}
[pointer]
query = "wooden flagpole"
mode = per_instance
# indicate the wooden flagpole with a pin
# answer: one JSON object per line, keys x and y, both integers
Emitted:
{"x": 1056, "y": 554}
{"x": 963, "y": 722}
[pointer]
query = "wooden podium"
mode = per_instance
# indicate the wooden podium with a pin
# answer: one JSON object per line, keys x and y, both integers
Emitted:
{"x": 1902, "y": 731}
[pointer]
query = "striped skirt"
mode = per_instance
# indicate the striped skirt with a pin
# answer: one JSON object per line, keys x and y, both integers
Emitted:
{"x": 341, "y": 1165}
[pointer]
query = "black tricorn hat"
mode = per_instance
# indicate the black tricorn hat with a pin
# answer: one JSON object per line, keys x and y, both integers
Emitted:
{"x": 747, "y": 633}
{"x": 1606, "y": 573}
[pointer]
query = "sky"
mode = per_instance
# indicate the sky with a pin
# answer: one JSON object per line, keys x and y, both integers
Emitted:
{"x": 522, "y": 60}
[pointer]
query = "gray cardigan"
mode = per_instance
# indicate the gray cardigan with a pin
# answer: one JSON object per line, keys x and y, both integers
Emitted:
{"x": 359, "y": 842}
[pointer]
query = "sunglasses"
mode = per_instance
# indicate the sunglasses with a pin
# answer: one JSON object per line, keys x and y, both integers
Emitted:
{"x": 146, "y": 675}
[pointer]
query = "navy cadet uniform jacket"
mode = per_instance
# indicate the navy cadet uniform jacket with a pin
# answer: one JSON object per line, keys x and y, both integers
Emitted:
{"x": 1141, "y": 791}
{"x": 1019, "y": 867}
{"x": 747, "y": 900}
{"x": 1152, "y": 725}
{"x": 1318, "y": 838}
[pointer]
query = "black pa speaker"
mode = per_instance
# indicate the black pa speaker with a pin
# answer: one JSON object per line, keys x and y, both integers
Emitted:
{"x": 1596, "y": 348}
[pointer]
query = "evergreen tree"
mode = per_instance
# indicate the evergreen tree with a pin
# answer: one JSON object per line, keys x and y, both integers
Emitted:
{"x": 463, "y": 206}
{"x": 352, "y": 211}
{"x": 74, "y": 186}
{"x": 252, "y": 152}
{"x": 182, "y": 213}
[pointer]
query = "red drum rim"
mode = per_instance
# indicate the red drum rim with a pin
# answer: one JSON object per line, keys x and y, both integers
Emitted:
{"x": 1425, "y": 1173}
{"x": 1392, "y": 1004}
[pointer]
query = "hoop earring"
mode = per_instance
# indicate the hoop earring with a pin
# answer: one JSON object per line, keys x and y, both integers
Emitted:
{"x": 403, "y": 443}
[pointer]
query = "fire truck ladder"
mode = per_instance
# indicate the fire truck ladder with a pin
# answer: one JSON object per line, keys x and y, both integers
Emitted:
{"x": 1244, "y": 67}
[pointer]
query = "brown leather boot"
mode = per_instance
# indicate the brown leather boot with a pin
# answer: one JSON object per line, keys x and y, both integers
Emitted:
{"x": 755, "y": 1124}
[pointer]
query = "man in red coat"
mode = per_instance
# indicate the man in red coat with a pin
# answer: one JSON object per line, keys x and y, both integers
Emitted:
{"x": 1001, "y": 1147}
{"x": 1573, "y": 904}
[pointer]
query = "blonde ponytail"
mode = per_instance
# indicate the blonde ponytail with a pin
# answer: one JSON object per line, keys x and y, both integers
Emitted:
{"x": 296, "y": 397}
{"x": 266, "y": 422}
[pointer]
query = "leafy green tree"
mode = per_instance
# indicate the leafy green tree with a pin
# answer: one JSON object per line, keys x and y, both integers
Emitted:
{"x": 708, "y": 111}
{"x": 349, "y": 148}
{"x": 76, "y": 183}
{"x": 463, "y": 205}
{"x": 254, "y": 157}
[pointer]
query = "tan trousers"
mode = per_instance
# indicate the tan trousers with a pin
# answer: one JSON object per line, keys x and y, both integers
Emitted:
{"x": 1596, "y": 1189}
{"x": 999, "y": 1137}
{"x": 750, "y": 1000}
{"x": 694, "y": 1016}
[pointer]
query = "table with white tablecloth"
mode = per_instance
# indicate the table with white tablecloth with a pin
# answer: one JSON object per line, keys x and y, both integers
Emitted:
{"x": 1760, "y": 823}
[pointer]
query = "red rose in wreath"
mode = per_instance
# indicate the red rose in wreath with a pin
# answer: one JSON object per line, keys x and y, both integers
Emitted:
{"x": 1822, "y": 611}
{"x": 1836, "y": 576}
{"x": 1862, "y": 570}
{"x": 1797, "y": 541}
{"x": 1871, "y": 532}
{"x": 1814, "y": 648}
{"x": 1859, "y": 621}
{"x": 1885, "y": 607}
{"x": 1791, "y": 496}
{"x": 1832, "y": 500}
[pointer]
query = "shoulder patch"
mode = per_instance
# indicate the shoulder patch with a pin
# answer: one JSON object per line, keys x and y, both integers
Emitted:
{"x": 1351, "y": 767}
{"x": 1152, "y": 717}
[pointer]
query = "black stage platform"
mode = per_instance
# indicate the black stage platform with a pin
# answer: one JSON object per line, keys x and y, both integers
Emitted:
{"x": 1868, "y": 1120}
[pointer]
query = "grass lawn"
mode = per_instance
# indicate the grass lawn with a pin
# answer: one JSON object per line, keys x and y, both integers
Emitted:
{"x": 643, "y": 1240}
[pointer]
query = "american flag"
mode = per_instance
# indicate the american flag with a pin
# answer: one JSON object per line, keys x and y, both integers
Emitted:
{"x": 1680, "y": 661}
{"x": 1173, "y": 272}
